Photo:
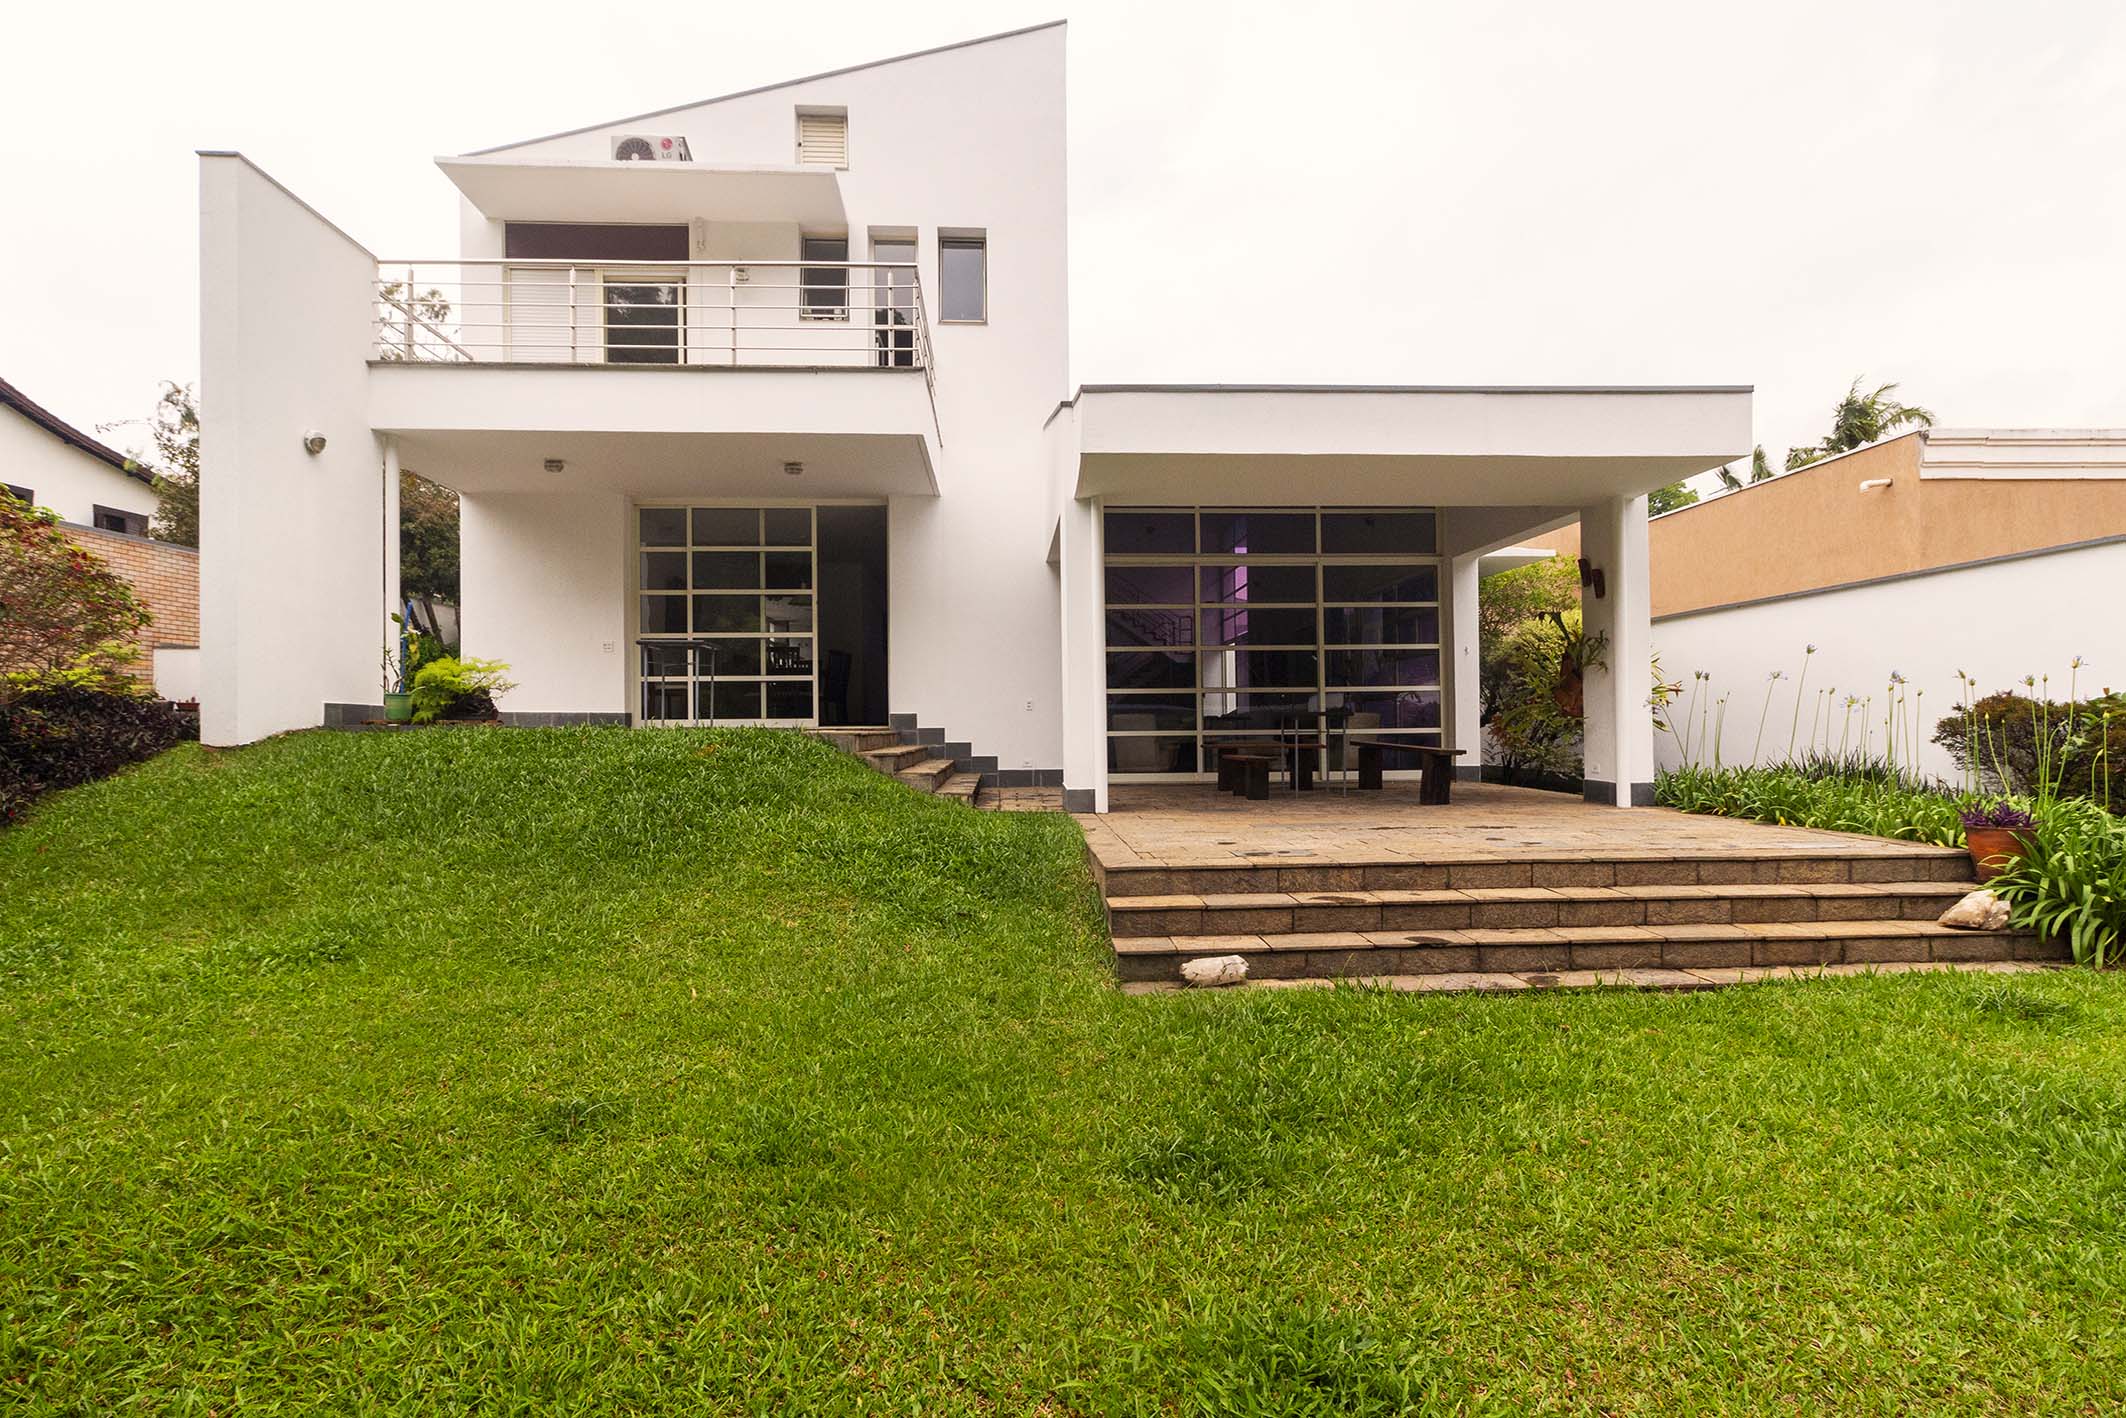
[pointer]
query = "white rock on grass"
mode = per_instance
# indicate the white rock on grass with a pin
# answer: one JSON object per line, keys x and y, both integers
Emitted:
{"x": 1980, "y": 911}
{"x": 1215, "y": 970}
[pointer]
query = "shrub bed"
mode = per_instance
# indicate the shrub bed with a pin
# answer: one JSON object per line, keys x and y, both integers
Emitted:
{"x": 64, "y": 736}
{"x": 2070, "y": 885}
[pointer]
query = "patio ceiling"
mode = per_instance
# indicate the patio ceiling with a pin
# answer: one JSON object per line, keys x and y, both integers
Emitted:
{"x": 552, "y": 190}
{"x": 1517, "y": 446}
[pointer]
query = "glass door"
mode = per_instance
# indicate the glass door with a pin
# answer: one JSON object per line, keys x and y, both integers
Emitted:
{"x": 725, "y": 615}
{"x": 893, "y": 296}
{"x": 642, "y": 318}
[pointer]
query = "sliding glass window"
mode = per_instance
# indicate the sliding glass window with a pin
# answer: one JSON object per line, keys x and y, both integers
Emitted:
{"x": 1232, "y": 623}
{"x": 725, "y": 614}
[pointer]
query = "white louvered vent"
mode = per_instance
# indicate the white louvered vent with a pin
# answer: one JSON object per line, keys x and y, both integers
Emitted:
{"x": 823, "y": 138}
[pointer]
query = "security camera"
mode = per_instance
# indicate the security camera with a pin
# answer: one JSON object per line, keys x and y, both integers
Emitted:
{"x": 313, "y": 443}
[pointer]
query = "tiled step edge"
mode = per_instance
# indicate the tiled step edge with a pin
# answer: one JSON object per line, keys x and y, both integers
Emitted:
{"x": 1790, "y": 868}
{"x": 928, "y": 775}
{"x": 1495, "y": 908}
{"x": 1343, "y": 954}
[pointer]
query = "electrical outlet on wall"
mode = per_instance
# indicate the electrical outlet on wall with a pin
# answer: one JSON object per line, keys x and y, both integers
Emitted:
{"x": 607, "y": 647}
{"x": 1029, "y": 706}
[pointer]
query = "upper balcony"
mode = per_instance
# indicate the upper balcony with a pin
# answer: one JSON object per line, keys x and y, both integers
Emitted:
{"x": 729, "y": 314}
{"x": 831, "y": 357}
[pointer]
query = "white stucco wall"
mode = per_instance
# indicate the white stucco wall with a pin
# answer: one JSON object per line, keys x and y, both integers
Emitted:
{"x": 1997, "y": 622}
{"x": 545, "y": 588}
{"x": 65, "y": 479}
{"x": 967, "y": 139}
{"x": 291, "y": 544}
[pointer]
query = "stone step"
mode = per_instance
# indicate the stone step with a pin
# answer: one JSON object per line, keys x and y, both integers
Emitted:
{"x": 1354, "y": 954}
{"x": 1860, "y": 864}
{"x": 929, "y": 775}
{"x": 962, "y": 788}
{"x": 1563, "y": 908}
{"x": 857, "y": 740}
{"x": 894, "y": 759}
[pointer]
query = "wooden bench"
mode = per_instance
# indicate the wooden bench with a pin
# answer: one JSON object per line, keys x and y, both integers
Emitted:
{"x": 1246, "y": 772}
{"x": 1436, "y": 767}
{"x": 1297, "y": 753}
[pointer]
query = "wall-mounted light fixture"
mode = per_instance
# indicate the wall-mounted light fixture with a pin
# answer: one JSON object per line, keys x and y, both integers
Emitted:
{"x": 555, "y": 465}
{"x": 793, "y": 469}
{"x": 1875, "y": 484}
{"x": 313, "y": 442}
{"x": 1591, "y": 577}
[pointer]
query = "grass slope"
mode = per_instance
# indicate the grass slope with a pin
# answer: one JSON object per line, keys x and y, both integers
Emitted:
{"x": 588, "y": 1070}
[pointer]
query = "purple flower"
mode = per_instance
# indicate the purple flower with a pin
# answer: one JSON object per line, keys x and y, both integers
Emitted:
{"x": 2000, "y": 814}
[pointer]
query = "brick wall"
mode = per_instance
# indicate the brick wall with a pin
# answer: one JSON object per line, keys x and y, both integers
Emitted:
{"x": 163, "y": 576}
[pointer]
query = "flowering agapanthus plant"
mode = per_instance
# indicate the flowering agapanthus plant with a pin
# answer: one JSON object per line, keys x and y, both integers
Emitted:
{"x": 2000, "y": 814}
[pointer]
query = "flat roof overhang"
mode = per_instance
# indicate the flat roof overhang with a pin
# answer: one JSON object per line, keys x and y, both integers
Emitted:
{"x": 1440, "y": 446}
{"x": 554, "y": 190}
{"x": 684, "y": 432}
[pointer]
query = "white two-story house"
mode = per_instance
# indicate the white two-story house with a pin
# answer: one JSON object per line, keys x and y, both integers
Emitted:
{"x": 760, "y": 411}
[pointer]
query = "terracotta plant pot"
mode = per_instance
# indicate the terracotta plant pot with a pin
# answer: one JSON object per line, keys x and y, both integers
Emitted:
{"x": 1994, "y": 849}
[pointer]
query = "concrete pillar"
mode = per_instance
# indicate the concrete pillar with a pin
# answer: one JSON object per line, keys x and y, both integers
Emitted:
{"x": 1084, "y": 604}
{"x": 394, "y": 594}
{"x": 1619, "y": 752}
{"x": 1462, "y": 662}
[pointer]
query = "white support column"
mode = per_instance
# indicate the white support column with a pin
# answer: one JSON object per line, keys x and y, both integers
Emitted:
{"x": 1619, "y": 752}
{"x": 394, "y": 594}
{"x": 1463, "y": 662}
{"x": 1084, "y": 599}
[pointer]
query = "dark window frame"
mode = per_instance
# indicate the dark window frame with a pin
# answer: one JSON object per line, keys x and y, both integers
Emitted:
{"x": 131, "y": 524}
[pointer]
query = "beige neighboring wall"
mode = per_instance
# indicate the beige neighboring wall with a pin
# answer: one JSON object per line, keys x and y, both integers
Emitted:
{"x": 1815, "y": 528}
{"x": 165, "y": 579}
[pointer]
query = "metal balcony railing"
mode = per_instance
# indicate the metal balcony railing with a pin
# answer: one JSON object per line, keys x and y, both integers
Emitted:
{"x": 733, "y": 314}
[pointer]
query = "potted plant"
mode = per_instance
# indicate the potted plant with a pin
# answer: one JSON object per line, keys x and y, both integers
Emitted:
{"x": 1997, "y": 836}
{"x": 398, "y": 699}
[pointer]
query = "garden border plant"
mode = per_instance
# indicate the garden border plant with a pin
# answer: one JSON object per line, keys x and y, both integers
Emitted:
{"x": 2035, "y": 769}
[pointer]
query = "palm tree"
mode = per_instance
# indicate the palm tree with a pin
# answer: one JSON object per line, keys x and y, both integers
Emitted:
{"x": 1858, "y": 420}
{"x": 1760, "y": 469}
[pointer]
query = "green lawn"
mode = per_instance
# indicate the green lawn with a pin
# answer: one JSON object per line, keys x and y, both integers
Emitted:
{"x": 670, "y": 1072}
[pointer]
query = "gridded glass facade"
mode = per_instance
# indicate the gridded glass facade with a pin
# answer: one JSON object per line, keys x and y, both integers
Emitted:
{"x": 725, "y": 620}
{"x": 1231, "y": 623}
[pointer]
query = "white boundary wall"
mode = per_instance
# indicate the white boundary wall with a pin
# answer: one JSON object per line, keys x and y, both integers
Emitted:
{"x": 1996, "y": 620}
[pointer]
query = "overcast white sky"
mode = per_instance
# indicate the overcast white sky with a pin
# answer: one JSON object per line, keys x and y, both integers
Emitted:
{"x": 1786, "y": 195}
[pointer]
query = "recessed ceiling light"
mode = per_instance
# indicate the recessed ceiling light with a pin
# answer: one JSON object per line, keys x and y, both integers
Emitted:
{"x": 555, "y": 465}
{"x": 792, "y": 469}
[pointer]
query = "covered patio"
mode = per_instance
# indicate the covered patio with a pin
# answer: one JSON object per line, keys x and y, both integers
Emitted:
{"x": 1239, "y": 560}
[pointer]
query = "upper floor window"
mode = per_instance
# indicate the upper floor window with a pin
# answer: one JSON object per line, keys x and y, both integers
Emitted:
{"x": 826, "y": 288}
{"x": 963, "y": 279}
{"x": 112, "y": 519}
{"x": 823, "y": 137}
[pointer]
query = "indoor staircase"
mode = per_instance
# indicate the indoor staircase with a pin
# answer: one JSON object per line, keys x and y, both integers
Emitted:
{"x": 921, "y": 760}
{"x": 1564, "y": 914}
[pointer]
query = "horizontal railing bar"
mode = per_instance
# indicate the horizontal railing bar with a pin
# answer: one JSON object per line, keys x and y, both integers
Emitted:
{"x": 549, "y": 263}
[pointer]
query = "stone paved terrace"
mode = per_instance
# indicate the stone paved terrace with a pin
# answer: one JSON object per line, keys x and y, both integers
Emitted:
{"x": 1191, "y": 825}
{"x": 1509, "y": 881}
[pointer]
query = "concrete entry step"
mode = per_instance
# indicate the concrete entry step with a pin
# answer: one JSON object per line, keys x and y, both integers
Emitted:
{"x": 961, "y": 788}
{"x": 894, "y": 759}
{"x": 858, "y": 740}
{"x": 1562, "y": 907}
{"x": 1769, "y": 868}
{"x": 1351, "y": 954}
{"x": 928, "y": 775}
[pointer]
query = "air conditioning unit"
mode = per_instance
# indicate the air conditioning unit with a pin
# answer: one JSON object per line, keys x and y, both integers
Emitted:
{"x": 642, "y": 147}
